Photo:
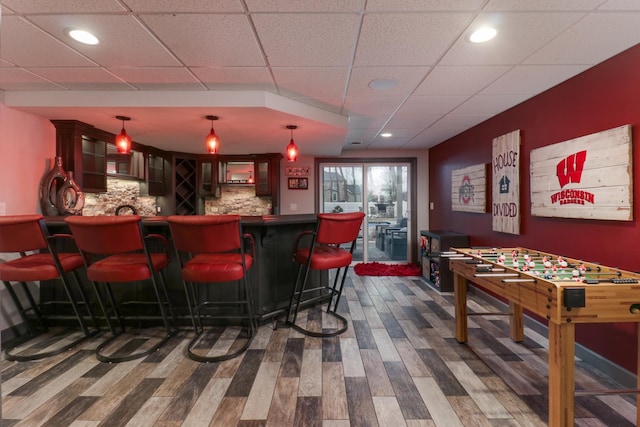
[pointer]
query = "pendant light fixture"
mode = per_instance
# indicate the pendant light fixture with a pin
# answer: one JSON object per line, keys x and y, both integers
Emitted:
{"x": 292, "y": 148}
{"x": 212, "y": 141}
{"x": 123, "y": 141}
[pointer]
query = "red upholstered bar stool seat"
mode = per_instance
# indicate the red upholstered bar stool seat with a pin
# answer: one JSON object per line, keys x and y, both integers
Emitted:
{"x": 115, "y": 251}
{"x": 212, "y": 253}
{"x": 39, "y": 260}
{"x": 325, "y": 252}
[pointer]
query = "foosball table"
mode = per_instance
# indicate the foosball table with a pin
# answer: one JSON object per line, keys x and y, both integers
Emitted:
{"x": 565, "y": 291}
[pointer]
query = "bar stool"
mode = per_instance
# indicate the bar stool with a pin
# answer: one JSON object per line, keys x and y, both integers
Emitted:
{"x": 27, "y": 233}
{"x": 114, "y": 251}
{"x": 325, "y": 253}
{"x": 211, "y": 251}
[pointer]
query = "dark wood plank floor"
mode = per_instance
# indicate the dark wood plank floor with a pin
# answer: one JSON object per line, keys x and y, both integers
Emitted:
{"x": 397, "y": 365}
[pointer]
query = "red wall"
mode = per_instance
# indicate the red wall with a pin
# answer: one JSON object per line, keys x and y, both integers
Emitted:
{"x": 601, "y": 98}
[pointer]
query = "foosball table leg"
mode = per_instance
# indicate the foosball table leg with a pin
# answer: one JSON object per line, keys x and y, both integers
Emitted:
{"x": 516, "y": 322}
{"x": 460, "y": 297}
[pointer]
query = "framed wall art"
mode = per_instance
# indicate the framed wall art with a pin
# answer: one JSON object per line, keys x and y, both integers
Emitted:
{"x": 298, "y": 183}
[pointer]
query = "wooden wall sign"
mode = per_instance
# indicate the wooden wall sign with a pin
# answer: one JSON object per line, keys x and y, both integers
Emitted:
{"x": 505, "y": 193}
{"x": 469, "y": 189}
{"x": 589, "y": 177}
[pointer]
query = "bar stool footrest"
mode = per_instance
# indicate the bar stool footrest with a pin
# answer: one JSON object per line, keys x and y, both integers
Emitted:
{"x": 343, "y": 328}
{"x": 117, "y": 359}
{"x": 37, "y": 356}
{"x": 212, "y": 359}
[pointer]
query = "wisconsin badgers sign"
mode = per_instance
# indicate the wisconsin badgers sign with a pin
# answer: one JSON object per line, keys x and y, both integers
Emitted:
{"x": 588, "y": 177}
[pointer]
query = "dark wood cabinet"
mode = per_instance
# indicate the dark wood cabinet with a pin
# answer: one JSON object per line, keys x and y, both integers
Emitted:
{"x": 267, "y": 174}
{"x": 208, "y": 176}
{"x": 155, "y": 174}
{"x": 435, "y": 267}
{"x": 83, "y": 149}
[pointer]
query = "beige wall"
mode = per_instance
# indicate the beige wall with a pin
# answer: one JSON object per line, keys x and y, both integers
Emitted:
{"x": 27, "y": 149}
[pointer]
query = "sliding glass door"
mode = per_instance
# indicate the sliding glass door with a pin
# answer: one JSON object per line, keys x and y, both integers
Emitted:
{"x": 382, "y": 192}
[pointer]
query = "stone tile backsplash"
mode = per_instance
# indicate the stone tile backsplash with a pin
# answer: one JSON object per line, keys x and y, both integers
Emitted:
{"x": 119, "y": 192}
{"x": 240, "y": 200}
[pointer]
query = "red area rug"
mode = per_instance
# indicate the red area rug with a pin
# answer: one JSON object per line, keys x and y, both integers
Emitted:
{"x": 380, "y": 269}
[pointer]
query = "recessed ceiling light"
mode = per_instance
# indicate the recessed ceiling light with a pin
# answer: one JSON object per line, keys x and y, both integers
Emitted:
{"x": 83, "y": 37}
{"x": 483, "y": 34}
{"x": 386, "y": 135}
{"x": 383, "y": 84}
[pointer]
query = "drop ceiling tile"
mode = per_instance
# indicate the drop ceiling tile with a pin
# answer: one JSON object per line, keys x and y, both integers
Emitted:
{"x": 298, "y": 40}
{"x": 326, "y": 82}
{"x": 595, "y": 38}
{"x": 333, "y": 105}
{"x": 303, "y": 6}
{"x": 115, "y": 47}
{"x": 489, "y": 104}
{"x": 519, "y": 35}
{"x": 424, "y": 5}
{"x": 185, "y": 6}
{"x": 63, "y": 6}
{"x": 358, "y": 121}
{"x": 235, "y": 78}
{"x": 423, "y": 37}
{"x": 31, "y": 47}
{"x": 158, "y": 78}
{"x": 413, "y": 121}
{"x": 19, "y": 79}
{"x": 429, "y": 105}
{"x": 208, "y": 40}
{"x": 538, "y": 77}
{"x": 85, "y": 78}
{"x": 542, "y": 5}
{"x": 459, "y": 80}
{"x": 406, "y": 78}
{"x": 620, "y": 5}
{"x": 372, "y": 105}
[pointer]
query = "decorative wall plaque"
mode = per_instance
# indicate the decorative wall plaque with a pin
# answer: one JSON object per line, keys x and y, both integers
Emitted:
{"x": 469, "y": 189}
{"x": 590, "y": 177}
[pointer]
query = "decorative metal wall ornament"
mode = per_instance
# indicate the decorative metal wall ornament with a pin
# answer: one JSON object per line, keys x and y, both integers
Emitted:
{"x": 70, "y": 198}
{"x": 51, "y": 183}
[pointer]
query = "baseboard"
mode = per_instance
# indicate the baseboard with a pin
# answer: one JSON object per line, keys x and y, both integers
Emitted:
{"x": 622, "y": 376}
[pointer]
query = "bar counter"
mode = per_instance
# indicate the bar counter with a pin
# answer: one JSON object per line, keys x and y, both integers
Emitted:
{"x": 271, "y": 276}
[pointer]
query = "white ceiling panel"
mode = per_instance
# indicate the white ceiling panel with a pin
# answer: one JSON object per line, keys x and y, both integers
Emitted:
{"x": 184, "y": 6}
{"x": 63, "y": 6}
{"x": 311, "y": 82}
{"x": 460, "y": 80}
{"x": 405, "y": 79}
{"x": 115, "y": 48}
{"x": 430, "y": 105}
{"x": 207, "y": 39}
{"x": 408, "y": 38}
{"x": 303, "y": 40}
{"x": 33, "y": 47}
{"x": 303, "y": 6}
{"x": 263, "y": 64}
{"x": 594, "y": 37}
{"x": 158, "y": 78}
{"x": 88, "y": 78}
{"x": 519, "y": 35}
{"x": 538, "y": 78}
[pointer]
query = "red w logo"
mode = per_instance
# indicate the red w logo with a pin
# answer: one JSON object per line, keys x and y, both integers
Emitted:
{"x": 570, "y": 169}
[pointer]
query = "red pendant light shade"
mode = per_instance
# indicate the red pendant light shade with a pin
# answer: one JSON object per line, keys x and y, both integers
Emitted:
{"x": 292, "y": 148}
{"x": 212, "y": 141}
{"x": 123, "y": 141}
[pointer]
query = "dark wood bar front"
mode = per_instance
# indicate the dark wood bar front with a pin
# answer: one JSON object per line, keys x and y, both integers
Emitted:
{"x": 271, "y": 276}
